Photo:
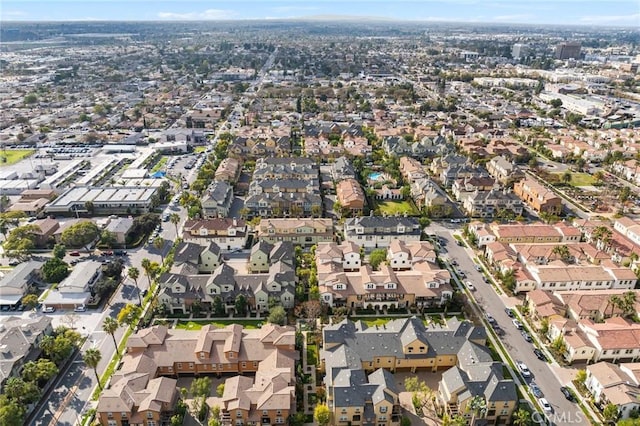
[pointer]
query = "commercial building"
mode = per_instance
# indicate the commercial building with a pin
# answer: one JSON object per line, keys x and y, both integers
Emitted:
{"x": 104, "y": 200}
{"x": 568, "y": 50}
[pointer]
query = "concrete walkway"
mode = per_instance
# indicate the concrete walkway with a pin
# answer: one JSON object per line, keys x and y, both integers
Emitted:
{"x": 309, "y": 388}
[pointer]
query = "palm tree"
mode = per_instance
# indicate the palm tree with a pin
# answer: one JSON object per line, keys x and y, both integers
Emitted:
{"x": 562, "y": 252}
{"x": 602, "y": 234}
{"x": 92, "y": 357}
{"x": 521, "y": 417}
{"x": 110, "y": 325}
{"x": 134, "y": 273}
{"x": 616, "y": 302}
{"x": 175, "y": 219}
{"x": 628, "y": 303}
{"x": 478, "y": 407}
{"x": 158, "y": 243}
{"x": 148, "y": 269}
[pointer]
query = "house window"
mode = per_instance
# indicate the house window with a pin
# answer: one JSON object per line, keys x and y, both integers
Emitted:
{"x": 201, "y": 355}
{"x": 109, "y": 415}
{"x": 265, "y": 412}
{"x": 279, "y": 420}
{"x": 149, "y": 415}
{"x": 190, "y": 366}
{"x": 112, "y": 423}
{"x": 151, "y": 423}
{"x": 238, "y": 413}
{"x": 383, "y": 409}
{"x": 244, "y": 365}
{"x": 179, "y": 366}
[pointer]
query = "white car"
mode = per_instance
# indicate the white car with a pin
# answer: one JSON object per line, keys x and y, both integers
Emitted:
{"x": 546, "y": 407}
{"x": 523, "y": 369}
{"x": 48, "y": 309}
{"x": 80, "y": 308}
{"x": 517, "y": 324}
{"x": 470, "y": 286}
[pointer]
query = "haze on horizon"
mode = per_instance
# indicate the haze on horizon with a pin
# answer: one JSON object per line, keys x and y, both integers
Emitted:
{"x": 615, "y": 13}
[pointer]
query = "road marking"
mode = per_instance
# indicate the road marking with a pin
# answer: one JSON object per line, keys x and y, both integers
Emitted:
{"x": 65, "y": 401}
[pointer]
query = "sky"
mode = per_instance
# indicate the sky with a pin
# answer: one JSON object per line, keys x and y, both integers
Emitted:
{"x": 557, "y": 12}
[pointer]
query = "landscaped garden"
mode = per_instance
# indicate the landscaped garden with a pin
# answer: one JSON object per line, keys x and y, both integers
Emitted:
{"x": 197, "y": 325}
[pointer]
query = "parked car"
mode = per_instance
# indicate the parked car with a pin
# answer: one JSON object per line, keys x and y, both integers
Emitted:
{"x": 120, "y": 252}
{"x": 80, "y": 308}
{"x": 524, "y": 370}
{"x": 535, "y": 390}
{"x": 509, "y": 312}
{"x": 517, "y": 323}
{"x": 567, "y": 393}
{"x": 540, "y": 355}
{"x": 74, "y": 253}
{"x": 48, "y": 309}
{"x": 526, "y": 336}
{"x": 489, "y": 318}
{"x": 546, "y": 407}
{"x": 478, "y": 267}
{"x": 470, "y": 286}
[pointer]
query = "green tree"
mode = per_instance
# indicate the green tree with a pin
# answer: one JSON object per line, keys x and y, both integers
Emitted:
{"x": 562, "y": 252}
{"x": 521, "y": 418}
{"x": 108, "y": 239}
{"x": 277, "y": 315}
{"x": 218, "y": 307}
{"x": 220, "y": 390}
{"x": 158, "y": 244}
{"x": 92, "y": 357}
{"x": 175, "y": 219}
{"x": 59, "y": 251}
{"x": 201, "y": 387}
{"x": 20, "y": 391}
{"x": 21, "y": 240}
{"x": 30, "y": 301}
{"x": 11, "y": 412}
{"x": 610, "y": 413}
{"x": 81, "y": 234}
{"x": 241, "y": 305}
{"x": 581, "y": 376}
{"x": 322, "y": 415}
{"x": 31, "y": 98}
{"x": 110, "y": 326}
{"x": 134, "y": 273}
{"x": 39, "y": 371}
{"x": 377, "y": 257}
{"x": 150, "y": 269}
{"x": 129, "y": 314}
{"x": 566, "y": 177}
{"x": 54, "y": 270}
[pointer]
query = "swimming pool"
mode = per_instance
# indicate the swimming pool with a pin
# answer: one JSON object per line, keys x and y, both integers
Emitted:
{"x": 375, "y": 176}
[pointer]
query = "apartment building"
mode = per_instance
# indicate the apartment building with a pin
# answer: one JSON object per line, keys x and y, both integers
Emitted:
{"x": 537, "y": 196}
{"x": 304, "y": 232}
{"x": 227, "y": 233}
{"x": 615, "y": 384}
{"x": 373, "y": 232}
{"x": 144, "y": 389}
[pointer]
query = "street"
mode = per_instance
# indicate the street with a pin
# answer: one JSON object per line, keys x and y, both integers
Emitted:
{"x": 545, "y": 375}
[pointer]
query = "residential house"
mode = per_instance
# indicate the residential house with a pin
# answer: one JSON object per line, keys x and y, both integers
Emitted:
{"x": 342, "y": 169}
{"x": 329, "y": 257}
{"x": 217, "y": 200}
{"x": 20, "y": 343}
{"x": 454, "y": 172}
{"x": 304, "y": 232}
{"x": 16, "y": 283}
{"x": 351, "y": 197}
{"x": 119, "y": 228}
{"x": 228, "y": 170}
{"x": 463, "y": 187}
{"x": 615, "y": 340}
{"x": 264, "y": 254}
{"x": 373, "y": 232}
{"x": 227, "y": 233}
{"x": 537, "y": 196}
{"x": 492, "y": 203}
{"x": 192, "y": 258}
{"x": 145, "y": 387}
{"x": 46, "y": 231}
{"x": 504, "y": 171}
{"x": 402, "y": 255}
{"x": 545, "y": 304}
{"x": 357, "y": 359}
{"x": 77, "y": 288}
{"x": 439, "y": 164}
{"x": 615, "y": 384}
{"x": 593, "y": 305}
{"x": 411, "y": 169}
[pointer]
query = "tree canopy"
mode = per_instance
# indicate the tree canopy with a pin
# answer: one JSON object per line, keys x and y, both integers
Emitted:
{"x": 81, "y": 234}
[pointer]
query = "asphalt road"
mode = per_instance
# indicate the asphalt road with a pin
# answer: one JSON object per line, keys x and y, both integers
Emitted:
{"x": 564, "y": 411}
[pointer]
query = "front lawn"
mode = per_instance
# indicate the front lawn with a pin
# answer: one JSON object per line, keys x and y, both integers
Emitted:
{"x": 578, "y": 179}
{"x": 12, "y": 156}
{"x": 397, "y": 207}
{"x": 312, "y": 355}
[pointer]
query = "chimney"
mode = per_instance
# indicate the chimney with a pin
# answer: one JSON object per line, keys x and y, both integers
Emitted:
{"x": 235, "y": 222}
